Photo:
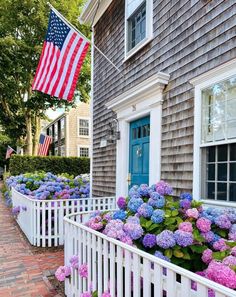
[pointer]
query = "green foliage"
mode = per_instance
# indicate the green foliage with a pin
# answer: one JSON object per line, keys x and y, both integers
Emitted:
{"x": 57, "y": 165}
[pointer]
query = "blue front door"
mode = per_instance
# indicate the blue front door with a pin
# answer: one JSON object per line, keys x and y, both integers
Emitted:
{"x": 139, "y": 151}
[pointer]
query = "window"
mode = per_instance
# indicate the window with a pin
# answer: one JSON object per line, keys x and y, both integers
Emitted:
{"x": 139, "y": 25}
{"x": 62, "y": 128}
{"x": 83, "y": 152}
{"x": 63, "y": 152}
{"x": 84, "y": 127}
{"x": 218, "y": 140}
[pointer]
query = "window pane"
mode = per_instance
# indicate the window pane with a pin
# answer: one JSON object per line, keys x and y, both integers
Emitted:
{"x": 222, "y": 172}
{"x": 211, "y": 154}
{"x": 134, "y": 134}
{"x": 132, "y": 5}
{"x": 210, "y": 190}
{"x": 233, "y": 172}
{"x": 146, "y": 130}
{"x": 232, "y": 192}
{"x": 231, "y": 129}
{"x": 233, "y": 152}
{"x": 211, "y": 172}
{"x": 222, "y": 152}
{"x": 221, "y": 191}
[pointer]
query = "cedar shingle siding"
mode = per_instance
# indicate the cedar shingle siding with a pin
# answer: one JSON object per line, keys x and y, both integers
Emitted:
{"x": 190, "y": 38}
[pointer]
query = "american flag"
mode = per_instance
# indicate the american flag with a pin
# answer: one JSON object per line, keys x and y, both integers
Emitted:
{"x": 10, "y": 150}
{"x": 62, "y": 56}
{"x": 44, "y": 142}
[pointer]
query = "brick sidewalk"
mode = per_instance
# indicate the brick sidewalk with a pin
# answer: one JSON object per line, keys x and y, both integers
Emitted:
{"x": 23, "y": 267}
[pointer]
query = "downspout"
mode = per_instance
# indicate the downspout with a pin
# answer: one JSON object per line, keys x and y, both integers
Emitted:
{"x": 91, "y": 114}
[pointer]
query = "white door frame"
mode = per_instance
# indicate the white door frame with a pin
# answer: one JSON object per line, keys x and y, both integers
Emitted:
{"x": 142, "y": 100}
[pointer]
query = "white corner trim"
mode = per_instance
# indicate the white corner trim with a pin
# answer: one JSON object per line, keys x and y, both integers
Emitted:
{"x": 153, "y": 84}
{"x": 90, "y": 9}
{"x": 216, "y": 72}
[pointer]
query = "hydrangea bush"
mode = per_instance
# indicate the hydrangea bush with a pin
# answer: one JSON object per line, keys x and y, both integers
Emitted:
{"x": 178, "y": 230}
{"x": 47, "y": 186}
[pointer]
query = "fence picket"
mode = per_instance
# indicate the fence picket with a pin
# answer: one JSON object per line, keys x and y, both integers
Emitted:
{"x": 119, "y": 271}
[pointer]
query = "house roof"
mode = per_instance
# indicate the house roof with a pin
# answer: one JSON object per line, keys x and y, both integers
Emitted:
{"x": 92, "y": 12}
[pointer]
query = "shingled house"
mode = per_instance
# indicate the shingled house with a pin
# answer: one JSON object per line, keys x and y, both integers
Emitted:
{"x": 173, "y": 101}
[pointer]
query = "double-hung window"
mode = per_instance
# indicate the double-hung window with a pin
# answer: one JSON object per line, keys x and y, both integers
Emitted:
{"x": 83, "y": 126}
{"x": 215, "y": 138}
{"x": 138, "y": 25}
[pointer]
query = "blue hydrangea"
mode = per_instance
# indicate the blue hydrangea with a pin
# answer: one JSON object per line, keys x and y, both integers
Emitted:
{"x": 134, "y": 204}
{"x": 143, "y": 190}
{"x": 187, "y": 196}
{"x": 156, "y": 200}
{"x": 160, "y": 255}
{"x": 158, "y": 216}
{"x": 183, "y": 238}
{"x": 166, "y": 239}
{"x": 216, "y": 238}
{"x": 120, "y": 214}
{"x": 133, "y": 192}
{"x": 185, "y": 203}
{"x": 145, "y": 210}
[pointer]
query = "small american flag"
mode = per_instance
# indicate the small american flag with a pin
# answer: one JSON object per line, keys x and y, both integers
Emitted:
{"x": 44, "y": 142}
{"x": 62, "y": 56}
{"x": 10, "y": 150}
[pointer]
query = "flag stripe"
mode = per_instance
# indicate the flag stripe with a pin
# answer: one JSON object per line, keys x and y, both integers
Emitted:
{"x": 64, "y": 57}
{"x": 69, "y": 68}
{"x": 39, "y": 65}
{"x": 54, "y": 69}
{"x": 45, "y": 54}
{"x": 46, "y": 67}
{"x": 73, "y": 71}
{"x": 75, "y": 78}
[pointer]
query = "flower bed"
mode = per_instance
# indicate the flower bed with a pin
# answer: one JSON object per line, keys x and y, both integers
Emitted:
{"x": 41, "y": 200}
{"x": 179, "y": 231}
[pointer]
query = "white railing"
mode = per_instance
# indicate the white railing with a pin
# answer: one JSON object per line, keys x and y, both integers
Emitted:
{"x": 125, "y": 270}
{"x": 42, "y": 220}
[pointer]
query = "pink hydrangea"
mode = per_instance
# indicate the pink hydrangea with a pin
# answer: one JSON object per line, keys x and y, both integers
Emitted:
{"x": 192, "y": 213}
{"x": 74, "y": 262}
{"x": 230, "y": 260}
{"x": 186, "y": 226}
{"x": 106, "y": 294}
{"x": 126, "y": 239}
{"x": 62, "y": 272}
{"x": 207, "y": 256}
{"x": 83, "y": 270}
{"x": 95, "y": 223}
{"x": 233, "y": 251}
{"x": 220, "y": 245}
{"x": 221, "y": 274}
{"x": 86, "y": 294}
{"x": 203, "y": 224}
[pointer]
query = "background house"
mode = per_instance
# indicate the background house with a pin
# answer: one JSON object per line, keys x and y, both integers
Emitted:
{"x": 175, "y": 98}
{"x": 70, "y": 133}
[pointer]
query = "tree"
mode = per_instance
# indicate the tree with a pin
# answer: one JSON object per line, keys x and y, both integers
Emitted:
{"x": 23, "y": 25}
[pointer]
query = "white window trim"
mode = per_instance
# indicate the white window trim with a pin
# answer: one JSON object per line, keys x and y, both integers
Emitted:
{"x": 78, "y": 126}
{"x": 149, "y": 30}
{"x": 201, "y": 82}
{"x": 142, "y": 100}
{"x": 83, "y": 146}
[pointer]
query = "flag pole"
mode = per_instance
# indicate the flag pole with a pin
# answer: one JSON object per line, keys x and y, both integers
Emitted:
{"x": 74, "y": 28}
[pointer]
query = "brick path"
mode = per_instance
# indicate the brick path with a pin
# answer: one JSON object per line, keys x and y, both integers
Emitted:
{"x": 23, "y": 267}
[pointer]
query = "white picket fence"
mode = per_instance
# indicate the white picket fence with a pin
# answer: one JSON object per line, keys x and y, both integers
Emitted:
{"x": 125, "y": 270}
{"x": 42, "y": 220}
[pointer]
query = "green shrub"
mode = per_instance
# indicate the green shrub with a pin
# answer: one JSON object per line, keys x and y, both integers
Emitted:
{"x": 57, "y": 165}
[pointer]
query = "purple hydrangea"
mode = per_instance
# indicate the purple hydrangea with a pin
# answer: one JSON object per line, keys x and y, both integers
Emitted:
{"x": 114, "y": 229}
{"x": 156, "y": 200}
{"x": 145, "y": 210}
{"x": 134, "y": 230}
{"x": 185, "y": 203}
{"x": 163, "y": 188}
{"x": 208, "y": 236}
{"x": 223, "y": 222}
{"x": 149, "y": 240}
{"x": 187, "y": 196}
{"x": 229, "y": 261}
{"x": 207, "y": 256}
{"x": 134, "y": 204}
{"x": 183, "y": 238}
{"x": 165, "y": 239}
{"x": 220, "y": 245}
{"x": 158, "y": 216}
{"x": 232, "y": 232}
{"x": 160, "y": 255}
{"x": 121, "y": 202}
{"x": 186, "y": 226}
{"x": 74, "y": 261}
{"x": 120, "y": 214}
